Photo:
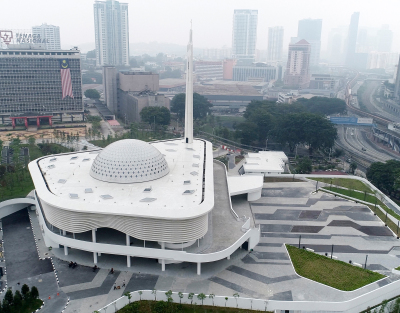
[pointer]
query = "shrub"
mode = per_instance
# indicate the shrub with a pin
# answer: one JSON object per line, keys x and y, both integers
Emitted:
{"x": 34, "y": 293}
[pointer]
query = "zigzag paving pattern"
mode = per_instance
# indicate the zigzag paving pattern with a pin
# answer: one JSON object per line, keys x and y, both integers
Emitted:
{"x": 285, "y": 212}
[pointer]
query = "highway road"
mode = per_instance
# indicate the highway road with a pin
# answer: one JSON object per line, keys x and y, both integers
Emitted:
{"x": 354, "y": 141}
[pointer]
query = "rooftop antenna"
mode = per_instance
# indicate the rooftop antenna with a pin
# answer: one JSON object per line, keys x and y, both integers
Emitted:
{"x": 189, "y": 91}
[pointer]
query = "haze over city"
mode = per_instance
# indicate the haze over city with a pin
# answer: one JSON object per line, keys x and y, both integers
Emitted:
{"x": 169, "y": 21}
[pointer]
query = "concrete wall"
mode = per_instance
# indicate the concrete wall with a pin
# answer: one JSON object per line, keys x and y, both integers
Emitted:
{"x": 110, "y": 88}
{"x": 138, "y": 81}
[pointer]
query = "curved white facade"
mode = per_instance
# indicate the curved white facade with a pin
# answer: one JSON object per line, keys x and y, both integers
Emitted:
{"x": 171, "y": 209}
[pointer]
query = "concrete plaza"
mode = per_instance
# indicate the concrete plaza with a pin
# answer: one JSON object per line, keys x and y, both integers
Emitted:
{"x": 285, "y": 211}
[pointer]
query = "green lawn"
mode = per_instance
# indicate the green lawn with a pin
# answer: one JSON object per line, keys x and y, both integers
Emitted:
{"x": 345, "y": 182}
{"x": 337, "y": 274}
{"x": 161, "y": 306}
{"x": 19, "y": 190}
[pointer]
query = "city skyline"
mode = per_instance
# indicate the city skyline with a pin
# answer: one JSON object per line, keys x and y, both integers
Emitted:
{"x": 214, "y": 27}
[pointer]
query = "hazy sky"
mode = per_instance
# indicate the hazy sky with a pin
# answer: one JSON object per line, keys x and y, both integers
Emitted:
{"x": 169, "y": 20}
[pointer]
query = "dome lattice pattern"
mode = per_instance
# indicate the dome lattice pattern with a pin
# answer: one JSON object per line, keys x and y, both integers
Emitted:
{"x": 129, "y": 161}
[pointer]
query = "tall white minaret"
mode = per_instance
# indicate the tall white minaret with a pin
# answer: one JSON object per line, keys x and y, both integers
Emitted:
{"x": 189, "y": 93}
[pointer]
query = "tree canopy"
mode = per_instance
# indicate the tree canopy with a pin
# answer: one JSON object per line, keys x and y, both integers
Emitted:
{"x": 92, "y": 94}
{"x": 201, "y": 106}
{"x": 289, "y": 124}
{"x": 91, "y": 54}
{"x": 323, "y": 105}
{"x": 159, "y": 115}
{"x": 385, "y": 176}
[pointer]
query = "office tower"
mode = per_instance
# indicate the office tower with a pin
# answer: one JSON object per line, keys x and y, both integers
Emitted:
{"x": 336, "y": 45}
{"x": 297, "y": 73}
{"x": 112, "y": 32}
{"x": 310, "y": 30}
{"x": 244, "y": 35}
{"x": 384, "y": 39}
{"x": 50, "y": 33}
{"x": 275, "y": 44}
{"x": 37, "y": 84}
{"x": 397, "y": 82}
{"x": 352, "y": 39}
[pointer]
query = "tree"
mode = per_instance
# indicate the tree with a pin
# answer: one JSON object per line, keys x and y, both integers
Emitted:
{"x": 247, "y": 132}
{"x": 91, "y": 54}
{"x": 92, "y": 94}
{"x": 190, "y": 297}
{"x": 17, "y": 299}
{"x": 9, "y": 297}
{"x": 140, "y": 295}
{"x": 154, "y": 292}
{"x": 323, "y": 105}
{"x": 385, "y": 176}
{"x": 236, "y": 296}
{"x": 180, "y": 295}
{"x": 34, "y": 293}
{"x": 201, "y": 106}
{"x": 169, "y": 296}
{"x": 304, "y": 166}
{"x": 31, "y": 140}
{"x": 353, "y": 167}
{"x": 133, "y": 62}
{"x": 128, "y": 294}
{"x": 212, "y": 296}
{"x": 201, "y": 296}
{"x": 159, "y": 115}
{"x": 25, "y": 291}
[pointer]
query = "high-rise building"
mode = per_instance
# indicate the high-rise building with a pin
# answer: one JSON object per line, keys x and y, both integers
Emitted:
{"x": 244, "y": 35}
{"x": 297, "y": 73}
{"x": 275, "y": 44}
{"x": 310, "y": 30}
{"x": 336, "y": 45}
{"x": 37, "y": 84}
{"x": 112, "y": 32}
{"x": 352, "y": 39}
{"x": 384, "y": 39}
{"x": 397, "y": 82}
{"x": 50, "y": 33}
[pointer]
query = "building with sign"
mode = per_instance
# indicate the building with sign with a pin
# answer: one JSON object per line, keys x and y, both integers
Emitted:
{"x": 50, "y": 33}
{"x": 112, "y": 33}
{"x": 31, "y": 88}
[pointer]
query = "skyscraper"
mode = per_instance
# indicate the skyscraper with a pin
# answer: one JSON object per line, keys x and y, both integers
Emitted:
{"x": 275, "y": 43}
{"x": 50, "y": 33}
{"x": 352, "y": 39}
{"x": 244, "y": 35}
{"x": 310, "y": 30}
{"x": 297, "y": 69}
{"x": 384, "y": 39}
{"x": 112, "y": 32}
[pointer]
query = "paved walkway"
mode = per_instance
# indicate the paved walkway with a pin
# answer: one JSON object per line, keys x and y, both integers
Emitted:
{"x": 24, "y": 266}
{"x": 285, "y": 211}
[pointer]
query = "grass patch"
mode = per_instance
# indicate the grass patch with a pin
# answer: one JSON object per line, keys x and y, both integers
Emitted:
{"x": 146, "y": 306}
{"x": 397, "y": 268}
{"x": 337, "y": 274}
{"x": 238, "y": 158}
{"x": 346, "y": 183}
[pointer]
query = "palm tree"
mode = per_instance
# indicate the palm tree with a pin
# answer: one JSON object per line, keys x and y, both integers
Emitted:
{"x": 226, "y": 299}
{"x": 169, "y": 295}
{"x": 211, "y": 296}
{"x": 190, "y": 297}
{"x": 154, "y": 292}
{"x": 128, "y": 294}
{"x": 201, "y": 296}
{"x": 140, "y": 294}
{"x": 180, "y": 295}
{"x": 236, "y": 296}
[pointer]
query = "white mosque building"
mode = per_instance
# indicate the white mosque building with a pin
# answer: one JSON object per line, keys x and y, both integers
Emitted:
{"x": 137, "y": 199}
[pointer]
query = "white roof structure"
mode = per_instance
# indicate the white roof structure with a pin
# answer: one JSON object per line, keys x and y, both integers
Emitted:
{"x": 265, "y": 162}
{"x": 129, "y": 161}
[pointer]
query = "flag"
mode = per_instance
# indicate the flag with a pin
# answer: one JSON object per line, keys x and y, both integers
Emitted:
{"x": 66, "y": 82}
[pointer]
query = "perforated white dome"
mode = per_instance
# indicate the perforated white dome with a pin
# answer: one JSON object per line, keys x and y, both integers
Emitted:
{"x": 129, "y": 161}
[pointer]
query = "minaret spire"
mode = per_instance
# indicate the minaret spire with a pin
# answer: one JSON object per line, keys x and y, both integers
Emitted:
{"x": 189, "y": 91}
